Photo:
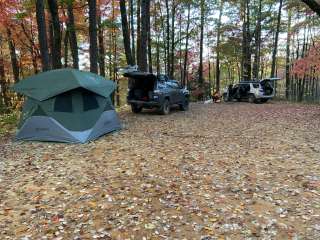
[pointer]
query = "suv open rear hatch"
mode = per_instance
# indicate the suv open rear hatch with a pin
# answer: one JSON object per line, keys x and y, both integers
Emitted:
{"x": 141, "y": 85}
{"x": 268, "y": 85}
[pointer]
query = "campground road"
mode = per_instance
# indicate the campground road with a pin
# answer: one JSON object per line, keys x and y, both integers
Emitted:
{"x": 218, "y": 171}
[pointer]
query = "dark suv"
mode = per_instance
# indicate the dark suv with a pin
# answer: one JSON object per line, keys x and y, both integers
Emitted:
{"x": 147, "y": 90}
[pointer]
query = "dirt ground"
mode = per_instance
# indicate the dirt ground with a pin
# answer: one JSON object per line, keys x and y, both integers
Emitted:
{"x": 218, "y": 171}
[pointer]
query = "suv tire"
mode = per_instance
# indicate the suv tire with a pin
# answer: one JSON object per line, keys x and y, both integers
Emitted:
{"x": 135, "y": 108}
{"x": 165, "y": 108}
{"x": 226, "y": 97}
{"x": 185, "y": 105}
{"x": 252, "y": 99}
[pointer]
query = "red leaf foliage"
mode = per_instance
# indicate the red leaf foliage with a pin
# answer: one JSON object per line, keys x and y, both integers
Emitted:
{"x": 310, "y": 64}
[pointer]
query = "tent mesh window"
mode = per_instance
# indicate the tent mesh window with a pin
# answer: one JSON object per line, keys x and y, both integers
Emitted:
{"x": 89, "y": 101}
{"x": 63, "y": 102}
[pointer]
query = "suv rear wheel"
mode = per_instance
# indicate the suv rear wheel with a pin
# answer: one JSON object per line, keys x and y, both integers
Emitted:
{"x": 185, "y": 105}
{"x": 165, "y": 108}
{"x": 252, "y": 98}
{"x": 225, "y": 97}
{"x": 135, "y": 108}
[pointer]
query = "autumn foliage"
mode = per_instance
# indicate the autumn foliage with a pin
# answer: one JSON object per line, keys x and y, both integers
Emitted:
{"x": 309, "y": 64}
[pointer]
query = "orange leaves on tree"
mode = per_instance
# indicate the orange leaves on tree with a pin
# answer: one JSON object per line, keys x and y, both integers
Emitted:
{"x": 310, "y": 64}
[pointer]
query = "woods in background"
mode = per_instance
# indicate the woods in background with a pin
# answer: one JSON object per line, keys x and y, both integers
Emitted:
{"x": 204, "y": 44}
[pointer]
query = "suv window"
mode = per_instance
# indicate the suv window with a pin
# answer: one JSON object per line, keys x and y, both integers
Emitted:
{"x": 162, "y": 78}
{"x": 244, "y": 88}
{"x": 173, "y": 85}
{"x": 256, "y": 85}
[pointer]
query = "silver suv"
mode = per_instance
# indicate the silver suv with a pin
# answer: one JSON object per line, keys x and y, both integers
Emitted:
{"x": 252, "y": 91}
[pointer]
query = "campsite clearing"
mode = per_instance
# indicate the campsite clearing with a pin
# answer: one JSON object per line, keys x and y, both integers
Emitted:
{"x": 225, "y": 171}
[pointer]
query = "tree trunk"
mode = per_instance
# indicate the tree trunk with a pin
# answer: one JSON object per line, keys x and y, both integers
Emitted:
{"x": 302, "y": 88}
{"x": 244, "y": 40}
{"x": 93, "y": 36}
{"x": 249, "y": 40}
{"x": 102, "y": 52}
{"x": 275, "y": 47}
{"x": 172, "y": 60}
{"x": 157, "y": 21}
{"x": 3, "y": 85}
{"x": 115, "y": 77}
{"x": 313, "y": 87}
{"x": 32, "y": 48}
{"x": 112, "y": 52}
{"x": 51, "y": 45}
{"x": 149, "y": 41}
{"x": 288, "y": 55}
{"x": 168, "y": 37}
{"x": 133, "y": 50}
{"x": 246, "y": 43}
{"x": 13, "y": 56}
{"x": 158, "y": 55}
{"x": 42, "y": 35}
{"x": 66, "y": 40}
{"x": 110, "y": 55}
{"x": 180, "y": 47}
{"x": 256, "y": 63}
{"x": 138, "y": 32}
{"x": 56, "y": 51}
{"x": 218, "y": 47}
{"x": 66, "y": 49}
{"x": 200, "y": 71}
{"x": 209, "y": 74}
{"x": 34, "y": 62}
{"x": 125, "y": 32}
{"x": 4, "y": 100}
{"x": 115, "y": 56}
{"x": 145, "y": 9}
{"x": 186, "y": 48}
{"x": 72, "y": 35}
{"x": 163, "y": 32}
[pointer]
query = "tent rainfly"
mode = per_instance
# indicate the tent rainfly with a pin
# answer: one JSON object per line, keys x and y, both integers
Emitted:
{"x": 66, "y": 105}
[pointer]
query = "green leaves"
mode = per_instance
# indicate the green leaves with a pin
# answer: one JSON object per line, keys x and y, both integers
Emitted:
{"x": 107, "y": 23}
{"x": 21, "y": 15}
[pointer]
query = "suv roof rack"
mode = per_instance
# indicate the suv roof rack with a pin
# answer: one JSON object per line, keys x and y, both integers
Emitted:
{"x": 249, "y": 82}
{"x": 272, "y": 79}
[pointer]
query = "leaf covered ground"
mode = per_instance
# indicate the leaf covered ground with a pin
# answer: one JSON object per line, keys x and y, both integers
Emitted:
{"x": 224, "y": 171}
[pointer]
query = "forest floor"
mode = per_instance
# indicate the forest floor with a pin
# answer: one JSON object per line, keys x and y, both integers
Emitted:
{"x": 218, "y": 171}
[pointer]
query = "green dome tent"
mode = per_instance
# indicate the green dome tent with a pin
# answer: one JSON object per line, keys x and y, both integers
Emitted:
{"x": 66, "y": 105}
